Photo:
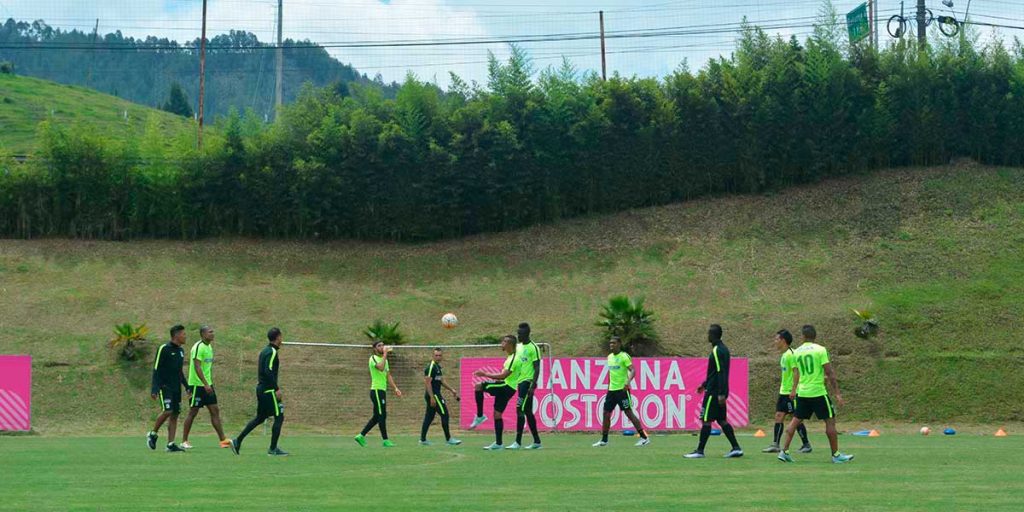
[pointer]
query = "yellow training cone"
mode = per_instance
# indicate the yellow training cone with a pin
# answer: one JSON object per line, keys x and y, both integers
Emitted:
{"x": 873, "y": 433}
{"x": 760, "y": 433}
{"x": 1000, "y": 433}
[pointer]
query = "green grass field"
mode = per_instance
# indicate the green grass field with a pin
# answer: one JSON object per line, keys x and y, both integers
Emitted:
{"x": 893, "y": 472}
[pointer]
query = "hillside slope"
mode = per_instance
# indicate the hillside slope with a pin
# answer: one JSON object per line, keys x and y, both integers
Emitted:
{"x": 937, "y": 253}
{"x": 25, "y": 102}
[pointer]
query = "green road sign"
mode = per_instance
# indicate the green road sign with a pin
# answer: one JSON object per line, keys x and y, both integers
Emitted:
{"x": 857, "y": 23}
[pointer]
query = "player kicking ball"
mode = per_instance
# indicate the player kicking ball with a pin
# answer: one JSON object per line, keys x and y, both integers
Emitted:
{"x": 503, "y": 389}
{"x": 620, "y": 374}
{"x": 811, "y": 395}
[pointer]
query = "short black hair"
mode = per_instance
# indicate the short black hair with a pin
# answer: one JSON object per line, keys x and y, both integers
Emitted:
{"x": 376, "y": 342}
{"x": 809, "y": 332}
{"x": 204, "y": 329}
{"x": 615, "y": 338}
{"x": 511, "y": 337}
{"x": 273, "y": 334}
{"x": 784, "y": 334}
{"x": 715, "y": 332}
{"x": 438, "y": 349}
{"x": 176, "y": 329}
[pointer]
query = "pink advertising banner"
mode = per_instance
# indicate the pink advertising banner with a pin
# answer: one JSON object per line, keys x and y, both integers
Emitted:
{"x": 571, "y": 396}
{"x": 15, "y": 393}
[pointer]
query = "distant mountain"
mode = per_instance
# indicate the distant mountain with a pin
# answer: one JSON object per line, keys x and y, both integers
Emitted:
{"x": 239, "y": 68}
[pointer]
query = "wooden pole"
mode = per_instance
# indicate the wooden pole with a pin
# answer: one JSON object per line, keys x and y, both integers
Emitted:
{"x": 604, "y": 62}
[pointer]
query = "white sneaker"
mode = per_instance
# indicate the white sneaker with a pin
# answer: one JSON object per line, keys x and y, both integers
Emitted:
{"x": 600, "y": 444}
{"x": 533, "y": 446}
{"x": 453, "y": 442}
{"x": 425, "y": 443}
{"x": 477, "y": 421}
{"x": 644, "y": 441}
{"x": 513, "y": 446}
{"x": 186, "y": 445}
{"x": 734, "y": 453}
{"x": 494, "y": 446}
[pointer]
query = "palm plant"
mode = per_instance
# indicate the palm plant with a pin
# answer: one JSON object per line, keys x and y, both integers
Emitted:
{"x": 867, "y": 324}
{"x": 632, "y": 323}
{"x": 126, "y": 338}
{"x": 380, "y": 330}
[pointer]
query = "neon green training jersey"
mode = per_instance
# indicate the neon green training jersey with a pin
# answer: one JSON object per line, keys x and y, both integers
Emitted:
{"x": 379, "y": 378}
{"x": 618, "y": 370}
{"x": 811, "y": 359}
{"x": 788, "y": 362}
{"x": 204, "y": 353}
{"x": 527, "y": 353}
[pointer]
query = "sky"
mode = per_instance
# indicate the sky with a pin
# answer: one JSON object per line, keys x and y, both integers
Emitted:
{"x": 703, "y": 29}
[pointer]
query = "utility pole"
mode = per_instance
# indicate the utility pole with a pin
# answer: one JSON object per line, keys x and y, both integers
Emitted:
{"x": 92, "y": 59}
{"x": 202, "y": 75}
{"x": 279, "y": 89}
{"x": 922, "y": 34}
{"x": 604, "y": 62}
{"x": 872, "y": 39}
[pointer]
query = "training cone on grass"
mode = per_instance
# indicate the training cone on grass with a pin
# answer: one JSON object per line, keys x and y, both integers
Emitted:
{"x": 874, "y": 433}
{"x": 760, "y": 433}
{"x": 1000, "y": 433}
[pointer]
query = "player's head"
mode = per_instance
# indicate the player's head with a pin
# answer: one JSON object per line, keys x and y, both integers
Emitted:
{"x": 615, "y": 344}
{"x": 523, "y": 333}
{"x": 274, "y": 336}
{"x": 783, "y": 339}
{"x": 206, "y": 333}
{"x": 438, "y": 355}
{"x": 178, "y": 334}
{"x": 378, "y": 347}
{"x": 809, "y": 333}
{"x": 715, "y": 333}
{"x": 508, "y": 343}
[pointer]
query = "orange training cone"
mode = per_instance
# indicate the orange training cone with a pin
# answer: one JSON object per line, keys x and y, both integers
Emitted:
{"x": 760, "y": 433}
{"x": 1000, "y": 433}
{"x": 873, "y": 433}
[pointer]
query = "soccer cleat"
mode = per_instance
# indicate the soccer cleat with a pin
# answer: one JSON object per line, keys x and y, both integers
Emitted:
{"x": 233, "y": 444}
{"x": 694, "y": 455}
{"x": 513, "y": 446}
{"x": 805, "y": 449}
{"x": 600, "y": 444}
{"x": 644, "y": 441}
{"x": 494, "y": 446}
{"x": 277, "y": 452}
{"x": 361, "y": 439}
{"x": 171, "y": 447}
{"x": 772, "y": 449}
{"x": 533, "y": 446}
{"x": 734, "y": 453}
{"x": 477, "y": 421}
{"x": 784, "y": 456}
{"x": 225, "y": 443}
{"x": 388, "y": 444}
{"x": 185, "y": 445}
{"x": 840, "y": 458}
{"x": 425, "y": 443}
{"x": 453, "y": 442}
{"x": 151, "y": 440}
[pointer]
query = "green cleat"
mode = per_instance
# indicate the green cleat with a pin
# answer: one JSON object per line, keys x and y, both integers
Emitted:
{"x": 841, "y": 458}
{"x": 388, "y": 444}
{"x": 361, "y": 439}
{"x": 784, "y": 456}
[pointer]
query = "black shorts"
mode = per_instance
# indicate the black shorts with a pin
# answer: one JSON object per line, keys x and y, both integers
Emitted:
{"x": 501, "y": 392}
{"x": 440, "y": 405}
{"x": 820, "y": 406}
{"x": 267, "y": 404}
{"x": 524, "y": 402}
{"x": 379, "y": 400}
{"x": 170, "y": 399}
{"x": 200, "y": 398}
{"x": 711, "y": 410}
{"x": 784, "y": 404}
{"x": 619, "y": 398}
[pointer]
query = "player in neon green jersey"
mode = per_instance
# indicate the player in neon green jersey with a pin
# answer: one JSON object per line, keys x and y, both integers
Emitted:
{"x": 620, "y": 374}
{"x": 200, "y": 380}
{"x": 503, "y": 389}
{"x": 433, "y": 381}
{"x": 380, "y": 377}
{"x": 784, "y": 405}
{"x": 811, "y": 395}
{"x": 528, "y": 359}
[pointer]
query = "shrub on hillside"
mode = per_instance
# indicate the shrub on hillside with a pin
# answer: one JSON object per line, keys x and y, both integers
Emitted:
{"x": 632, "y": 323}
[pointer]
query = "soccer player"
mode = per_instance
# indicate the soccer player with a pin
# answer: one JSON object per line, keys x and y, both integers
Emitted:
{"x": 433, "y": 381}
{"x": 811, "y": 396}
{"x": 168, "y": 379}
{"x": 502, "y": 390}
{"x": 784, "y": 405}
{"x": 528, "y": 356}
{"x": 200, "y": 381}
{"x": 716, "y": 392}
{"x": 620, "y": 374}
{"x": 268, "y": 396}
{"x": 380, "y": 377}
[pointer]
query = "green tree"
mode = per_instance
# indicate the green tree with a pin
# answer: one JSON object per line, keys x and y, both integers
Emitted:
{"x": 633, "y": 323}
{"x": 177, "y": 102}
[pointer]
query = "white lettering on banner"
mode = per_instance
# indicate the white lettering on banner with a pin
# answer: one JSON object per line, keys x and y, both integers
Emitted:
{"x": 542, "y": 408}
{"x": 676, "y": 411}
{"x": 570, "y": 408}
{"x": 579, "y": 374}
{"x": 565, "y": 412}
{"x": 557, "y": 375}
{"x": 650, "y": 378}
{"x": 674, "y": 377}
{"x": 588, "y": 401}
{"x": 602, "y": 379}
{"x": 647, "y": 419}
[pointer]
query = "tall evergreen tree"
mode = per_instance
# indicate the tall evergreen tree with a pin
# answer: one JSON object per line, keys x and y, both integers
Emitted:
{"x": 177, "y": 102}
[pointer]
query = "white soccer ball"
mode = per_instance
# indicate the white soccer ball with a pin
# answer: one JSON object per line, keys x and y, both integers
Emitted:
{"x": 925, "y": 431}
{"x": 449, "y": 321}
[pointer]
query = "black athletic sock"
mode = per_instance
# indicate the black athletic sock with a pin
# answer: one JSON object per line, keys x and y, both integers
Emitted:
{"x": 531, "y": 420}
{"x": 705, "y": 433}
{"x": 276, "y": 431}
{"x": 520, "y": 424}
{"x": 604, "y": 436}
{"x": 730, "y": 434}
{"x": 499, "y": 427}
{"x": 428, "y": 418}
{"x": 802, "y": 430}
{"x": 444, "y": 426}
{"x": 778, "y": 434}
{"x": 253, "y": 423}
{"x": 479, "y": 402}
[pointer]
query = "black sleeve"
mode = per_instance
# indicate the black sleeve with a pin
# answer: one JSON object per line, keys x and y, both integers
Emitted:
{"x": 723, "y": 373}
{"x": 184, "y": 379}
{"x": 155, "y": 386}
{"x": 268, "y": 369}
{"x": 428, "y": 370}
